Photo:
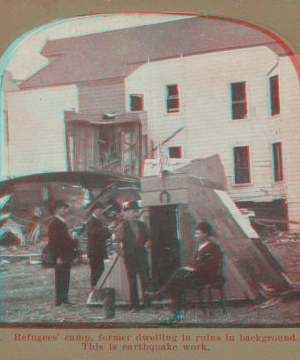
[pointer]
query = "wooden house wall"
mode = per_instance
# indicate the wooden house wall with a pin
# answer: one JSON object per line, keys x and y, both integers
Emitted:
{"x": 101, "y": 96}
{"x": 36, "y": 129}
{"x": 205, "y": 112}
{"x": 289, "y": 123}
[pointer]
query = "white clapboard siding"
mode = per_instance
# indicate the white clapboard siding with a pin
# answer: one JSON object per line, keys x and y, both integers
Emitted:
{"x": 290, "y": 113}
{"x": 205, "y": 112}
{"x": 36, "y": 129}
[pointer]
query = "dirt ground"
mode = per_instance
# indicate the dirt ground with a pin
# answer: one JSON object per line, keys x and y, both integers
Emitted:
{"x": 27, "y": 298}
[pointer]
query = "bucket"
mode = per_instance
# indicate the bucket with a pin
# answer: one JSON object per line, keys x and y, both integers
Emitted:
{"x": 109, "y": 302}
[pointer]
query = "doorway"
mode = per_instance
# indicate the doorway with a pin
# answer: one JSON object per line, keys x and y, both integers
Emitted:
{"x": 166, "y": 244}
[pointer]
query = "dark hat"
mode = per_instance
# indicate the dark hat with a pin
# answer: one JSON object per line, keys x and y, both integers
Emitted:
{"x": 58, "y": 204}
{"x": 133, "y": 205}
{"x": 205, "y": 227}
{"x": 114, "y": 206}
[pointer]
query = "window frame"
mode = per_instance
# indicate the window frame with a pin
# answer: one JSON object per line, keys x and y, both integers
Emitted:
{"x": 175, "y": 147}
{"x": 172, "y": 97}
{"x": 274, "y": 97}
{"x": 140, "y": 96}
{"x": 277, "y": 170}
{"x": 235, "y": 169}
{"x": 234, "y": 102}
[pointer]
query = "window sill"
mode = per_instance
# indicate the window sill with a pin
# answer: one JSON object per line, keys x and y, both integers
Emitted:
{"x": 277, "y": 116}
{"x": 242, "y": 185}
{"x": 240, "y": 120}
{"x": 173, "y": 112}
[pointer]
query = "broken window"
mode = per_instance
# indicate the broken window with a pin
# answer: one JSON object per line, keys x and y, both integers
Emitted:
{"x": 136, "y": 103}
{"x": 241, "y": 165}
{"x": 175, "y": 152}
{"x": 172, "y": 98}
{"x": 238, "y": 100}
{"x": 274, "y": 95}
{"x": 277, "y": 161}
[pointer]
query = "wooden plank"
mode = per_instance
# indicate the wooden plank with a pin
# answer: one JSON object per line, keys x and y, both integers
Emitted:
{"x": 236, "y": 273}
{"x": 180, "y": 196}
{"x": 152, "y": 184}
{"x": 107, "y": 270}
{"x": 270, "y": 221}
{"x": 170, "y": 182}
{"x": 176, "y": 181}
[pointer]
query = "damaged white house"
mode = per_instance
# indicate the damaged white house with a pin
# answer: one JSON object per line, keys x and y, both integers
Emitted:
{"x": 199, "y": 86}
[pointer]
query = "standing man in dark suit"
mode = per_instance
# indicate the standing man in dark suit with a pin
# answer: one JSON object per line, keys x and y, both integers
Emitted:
{"x": 61, "y": 247}
{"x": 97, "y": 233}
{"x": 136, "y": 238}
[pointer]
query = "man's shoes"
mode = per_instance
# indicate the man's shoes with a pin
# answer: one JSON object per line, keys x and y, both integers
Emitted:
{"x": 177, "y": 316}
{"x": 134, "y": 309}
{"x": 69, "y": 303}
{"x": 58, "y": 303}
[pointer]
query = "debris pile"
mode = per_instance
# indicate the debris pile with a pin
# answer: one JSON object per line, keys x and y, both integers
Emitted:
{"x": 280, "y": 237}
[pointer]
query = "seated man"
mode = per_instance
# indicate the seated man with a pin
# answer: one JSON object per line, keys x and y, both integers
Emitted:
{"x": 206, "y": 268}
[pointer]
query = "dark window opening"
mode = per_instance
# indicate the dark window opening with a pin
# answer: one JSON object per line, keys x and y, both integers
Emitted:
{"x": 238, "y": 100}
{"x": 136, "y": 103}
{"x": 175, "y": 152}
{"x": 241, "y": 165}
{"x": 172, "y": 98}
{"x": 277, "y": 162}
{"x": 274, "y": 95}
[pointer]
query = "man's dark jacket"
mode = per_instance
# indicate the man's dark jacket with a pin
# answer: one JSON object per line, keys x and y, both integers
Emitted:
{"x": 207, "y": 261}
{"x": 135, "y": 254}
{"x": 60, "y": 243}
{"x": 97, "y": 234}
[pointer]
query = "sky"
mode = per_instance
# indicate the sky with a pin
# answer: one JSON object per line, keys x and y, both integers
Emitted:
{"x": 27, "y": 59}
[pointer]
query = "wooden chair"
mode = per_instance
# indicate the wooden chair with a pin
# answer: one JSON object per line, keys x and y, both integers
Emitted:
{"x": 218, "y": 284}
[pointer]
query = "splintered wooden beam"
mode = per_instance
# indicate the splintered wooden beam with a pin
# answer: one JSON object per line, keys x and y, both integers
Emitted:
{"x": 274, "y": 221}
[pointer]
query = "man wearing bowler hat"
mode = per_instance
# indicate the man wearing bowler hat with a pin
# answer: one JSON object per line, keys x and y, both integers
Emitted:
{"x": 97, "y": 234}
{"x": 61, "y": 247}
{"x": 136, "y": 238}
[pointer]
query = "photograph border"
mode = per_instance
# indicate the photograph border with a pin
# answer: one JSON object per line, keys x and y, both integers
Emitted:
{"x": 18, "y": 17}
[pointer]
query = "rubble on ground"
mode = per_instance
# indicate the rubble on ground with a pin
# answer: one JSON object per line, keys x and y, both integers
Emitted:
{"x": 282, "y": 238}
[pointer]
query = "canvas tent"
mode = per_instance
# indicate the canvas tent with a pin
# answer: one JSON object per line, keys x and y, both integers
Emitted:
{"x": 173, "y": 204}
